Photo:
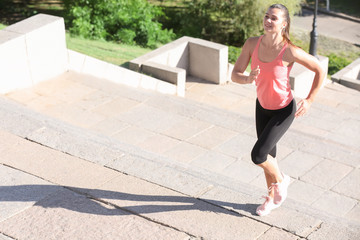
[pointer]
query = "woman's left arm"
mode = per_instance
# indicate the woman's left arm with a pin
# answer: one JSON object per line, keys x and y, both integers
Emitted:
{"x": 313, "y": 64}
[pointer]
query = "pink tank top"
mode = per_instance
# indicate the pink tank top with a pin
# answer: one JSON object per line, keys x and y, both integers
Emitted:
{"x": 273, "y": 84}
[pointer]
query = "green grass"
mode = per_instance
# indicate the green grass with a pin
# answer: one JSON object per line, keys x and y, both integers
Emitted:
{"x": 118, "y": 54}
{"x": 2, "y": 26}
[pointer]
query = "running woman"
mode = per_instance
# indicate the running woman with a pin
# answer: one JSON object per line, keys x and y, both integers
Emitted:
{"x": 272, "y": 57}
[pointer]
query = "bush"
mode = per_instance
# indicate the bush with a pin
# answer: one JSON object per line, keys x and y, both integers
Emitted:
{"x": 336, "y": 63}
{"x": 126, "y": 21}
{"x": 225, "y": 21}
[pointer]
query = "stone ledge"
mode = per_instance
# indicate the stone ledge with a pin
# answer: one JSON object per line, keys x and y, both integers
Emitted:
{"x": 199, "y": 58}
{"x": 349, "y": 76}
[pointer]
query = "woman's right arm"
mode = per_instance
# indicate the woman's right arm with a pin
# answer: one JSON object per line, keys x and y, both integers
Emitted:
{"x": 242, "y": 62}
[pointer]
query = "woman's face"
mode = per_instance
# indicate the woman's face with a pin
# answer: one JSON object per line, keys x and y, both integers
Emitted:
{"x": 274, "y": 21}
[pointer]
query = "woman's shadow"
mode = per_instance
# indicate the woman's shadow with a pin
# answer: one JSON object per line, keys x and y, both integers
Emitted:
{"x": 104, "y": 202}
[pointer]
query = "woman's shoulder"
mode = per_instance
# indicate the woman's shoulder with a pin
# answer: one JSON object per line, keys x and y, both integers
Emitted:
{"x": 251, "y": 42}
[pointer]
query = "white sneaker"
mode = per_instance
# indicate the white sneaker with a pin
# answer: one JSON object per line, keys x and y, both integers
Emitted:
{"x": 280, "y": 190}
{"x": 266, "y": 207}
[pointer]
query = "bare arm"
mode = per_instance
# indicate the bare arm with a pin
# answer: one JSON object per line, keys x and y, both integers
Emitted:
{"x": 312, "y": 64}
{"x": 242, "y": 62}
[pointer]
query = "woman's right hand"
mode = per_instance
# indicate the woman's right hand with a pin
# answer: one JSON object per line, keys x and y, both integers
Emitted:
{"x": 254, "y": 74}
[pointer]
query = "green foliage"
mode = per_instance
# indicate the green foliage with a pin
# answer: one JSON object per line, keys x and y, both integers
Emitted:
{"x": 126, "y": 21}
{"x": 226, "y": 21}
{"x": 234, "y": 53}
{"x": 336, "y": 63}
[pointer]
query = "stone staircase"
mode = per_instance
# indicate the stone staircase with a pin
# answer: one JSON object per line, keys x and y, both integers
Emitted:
{"x": 192, "y": 146}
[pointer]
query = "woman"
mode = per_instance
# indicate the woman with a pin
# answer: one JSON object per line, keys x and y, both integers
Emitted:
{"x": 272, "y": 57}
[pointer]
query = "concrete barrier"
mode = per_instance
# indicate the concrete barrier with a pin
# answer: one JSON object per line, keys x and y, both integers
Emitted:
{"x": 301, "y": 78}
{"x": 349, "y": 76}
{"x": 186, "y": 55}
{"x": 32, "y": 51}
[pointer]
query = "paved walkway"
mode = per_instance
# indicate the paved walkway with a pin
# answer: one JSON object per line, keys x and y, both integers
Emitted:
{"x": 82, "y": 158}
{"x": 329, "y": 26}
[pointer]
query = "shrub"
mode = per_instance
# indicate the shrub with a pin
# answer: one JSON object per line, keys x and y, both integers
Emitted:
{"x": 226, "y": 21}
{"x": 336, "y": 63}
{"x": 126, "y": 21}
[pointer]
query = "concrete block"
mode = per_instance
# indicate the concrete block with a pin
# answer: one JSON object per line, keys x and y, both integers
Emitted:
{"x": 208, "y": 61}
{"x": 301, "y": 78}
{"x": 94, "y": 67}
{"x": 14, "y": 66}
{"x": 45, "y": 44}
{"x": 179, "y": 56}
{"x": 131, "y": 78}
{"x": 76, "y": 61}
{"x": 171, "y": 89}
{"x": 349, "y": 76}
{"x": 170, "y": 74}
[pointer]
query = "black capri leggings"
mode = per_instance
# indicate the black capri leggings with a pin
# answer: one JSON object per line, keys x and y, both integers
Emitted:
{"x": 271, "y": 125}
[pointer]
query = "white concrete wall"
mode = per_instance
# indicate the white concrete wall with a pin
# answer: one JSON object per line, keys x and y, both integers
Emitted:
{"x": 31, "y": 51}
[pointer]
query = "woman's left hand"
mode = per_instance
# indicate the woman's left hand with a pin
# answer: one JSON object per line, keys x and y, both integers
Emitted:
{"x": 303, "y": 107}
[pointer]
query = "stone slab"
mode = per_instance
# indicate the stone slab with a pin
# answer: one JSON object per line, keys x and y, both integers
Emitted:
{"x": 299, "y": 163}
{"x": 67, "y": 215}
{"x": 189, "y": 215}
{"x": 332, "y": 231}
{"x": 19, "y": 191}
{"x": 326, "y": 174}
{"x": 276, "y": 233}
{"x": 334, "y": 203}
{"x": 350, "y": 185}
{"x": 288, "y": 219}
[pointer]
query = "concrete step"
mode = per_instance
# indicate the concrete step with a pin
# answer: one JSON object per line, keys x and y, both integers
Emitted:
{"x": 207, "y": 148}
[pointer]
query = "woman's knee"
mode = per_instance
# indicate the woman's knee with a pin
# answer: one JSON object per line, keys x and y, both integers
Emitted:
{"x": 257, "y": 156}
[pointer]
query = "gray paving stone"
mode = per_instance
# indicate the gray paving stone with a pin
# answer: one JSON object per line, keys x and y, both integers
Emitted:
{"x": 238, "y": 146}
{"x": 334, "y": 203}
{"x": 354, "y": 214}
{"x": 3, "y": 237}
{"x": 350, "y": 185}
{"x": 174, "y": 209}
{"x": 67, "y": 215}
{"x": 213, "y": 161}
{"x": 76, "y": 143}
{"x": 326, "y": 174}
{"x": 333, "y": 232}
{"x": 291, "y": 220}
{"x": 212, "y": 137}
{"x": 158, "y": 143}
{"x": 299, "y": 163}
{"x": 276, "y": 233}
{"x": 109, "y": 126}
{"x": 187, "y": 128}
{"x": 94, "y": 99}
{"x": 304, "y": 192}
{"x": 19, "y": 191}
{"x": 133, "y": 135}
{"x": 244, "y": 171}
{"x": 185, "y": 152}
{"x": 115, "y": 106}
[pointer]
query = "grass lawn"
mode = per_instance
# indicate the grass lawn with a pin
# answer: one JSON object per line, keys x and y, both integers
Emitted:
{"x": 118, "y": 54}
